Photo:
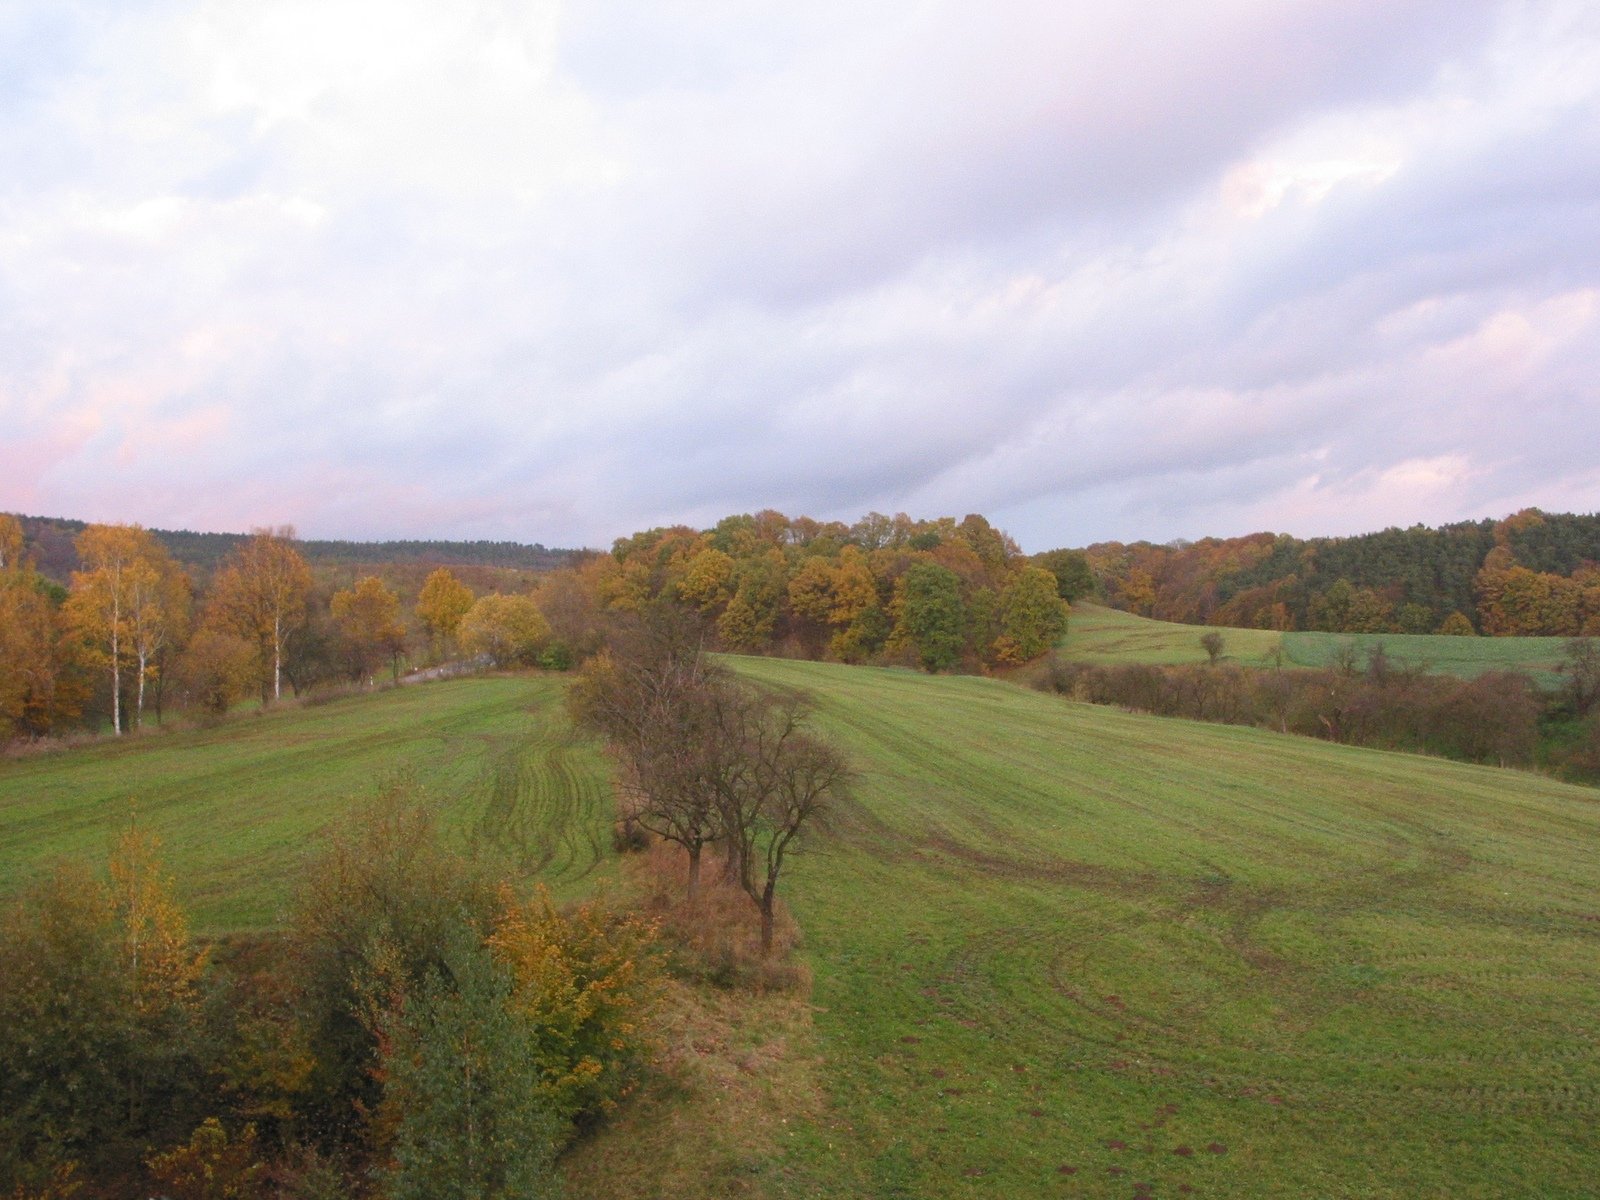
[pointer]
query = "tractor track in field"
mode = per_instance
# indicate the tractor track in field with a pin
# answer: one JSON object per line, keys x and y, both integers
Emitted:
{"x": 541, "y": 808}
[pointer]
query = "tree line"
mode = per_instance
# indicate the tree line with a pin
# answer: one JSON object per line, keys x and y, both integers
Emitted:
{"x": 1531, "y": 574}
{"x": 132, "y": 631}
{"x": 935, "y": 594}
{"x": 52, "y": 540}
{"x": 1498, "y": 718}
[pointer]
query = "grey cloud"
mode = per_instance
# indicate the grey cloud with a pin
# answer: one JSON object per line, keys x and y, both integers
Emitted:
{"x": 903, "y": 257}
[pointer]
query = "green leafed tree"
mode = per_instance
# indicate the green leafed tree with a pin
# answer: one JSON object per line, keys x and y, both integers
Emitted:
{"x": 930, "y": 617}
{"x": 463, "y": 1101}
{"x": 1032, "y": 616}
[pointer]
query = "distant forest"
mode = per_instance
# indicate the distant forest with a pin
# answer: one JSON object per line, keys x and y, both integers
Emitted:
{"x": 50, "y": 541}
{"x": 1533, "y": 574}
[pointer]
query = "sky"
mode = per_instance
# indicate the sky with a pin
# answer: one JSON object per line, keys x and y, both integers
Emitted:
{"x": 558, "y": 272}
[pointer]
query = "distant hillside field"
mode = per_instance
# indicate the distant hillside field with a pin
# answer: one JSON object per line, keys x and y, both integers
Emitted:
{"x": 1467, "y": 657}
{"x": 1058, "y": 949}
{"x": 1109, "y": 636}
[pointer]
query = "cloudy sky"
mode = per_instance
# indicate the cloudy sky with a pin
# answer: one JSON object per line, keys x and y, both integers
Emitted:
{"x": 561, "y": 271}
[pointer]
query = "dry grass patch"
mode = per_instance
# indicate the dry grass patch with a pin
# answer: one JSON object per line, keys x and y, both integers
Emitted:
{"x": 735, "y": 1074}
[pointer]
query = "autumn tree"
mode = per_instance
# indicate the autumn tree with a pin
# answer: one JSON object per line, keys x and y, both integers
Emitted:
{"x": 442, "y": 603}
{"x": 100, "y": 1021}
{"x": 777, "y": 780}
{"x": 128, "y": 602}
{"x": 158, "y": 616}
{"x": 11, "y": 543}
{"x": 569, "y": 608}
{"x": 367, "y": 617}
{"x": 508, "y": 630}
{"x": 1032, "y": 616}
{"x": 262, "y": 594}
{"x": 217, "y": 668}
{"x": 1213, "y": 644}
{"x": 649, "y": 696}
{"x": 41, "y": 677}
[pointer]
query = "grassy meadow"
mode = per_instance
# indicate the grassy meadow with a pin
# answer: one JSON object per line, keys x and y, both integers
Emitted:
{"x": 1467, "y": 657}
{"x": 238, "y": 807}
{"x": 1058, "y": 950}
{"x": 1064, "y": 950}
{"x": 1106, "y": 636}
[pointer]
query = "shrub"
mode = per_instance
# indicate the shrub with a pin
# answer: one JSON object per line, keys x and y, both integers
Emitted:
{"x": 467, "y": 1113}
{"x": 386, "y": 893}
{"x": 100, "y": 1028}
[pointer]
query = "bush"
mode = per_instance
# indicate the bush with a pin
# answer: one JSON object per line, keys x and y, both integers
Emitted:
{"x": 384, "y": 903}
{"x": 100, "y": 1020}
{"x": 467, "y": 1113}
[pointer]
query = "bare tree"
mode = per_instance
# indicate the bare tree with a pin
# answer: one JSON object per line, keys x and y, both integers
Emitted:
{"x": 777, "y": 780}
{"x": 649, "y": 695}
{"x": 706, "y": 757}
{"x": 1582, "y": 671}
{"x": 1212, "y": 643}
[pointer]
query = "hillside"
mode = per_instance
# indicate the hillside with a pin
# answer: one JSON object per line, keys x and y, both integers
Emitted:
{"x": 1058, "y": 949}
{"x": 1532, "y": 573}
{"x": 50, "y": 542}
{"x": 1096, "y": 634}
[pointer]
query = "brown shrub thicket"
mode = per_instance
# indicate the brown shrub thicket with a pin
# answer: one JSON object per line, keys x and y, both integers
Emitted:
{"x": 1491, "y": 719}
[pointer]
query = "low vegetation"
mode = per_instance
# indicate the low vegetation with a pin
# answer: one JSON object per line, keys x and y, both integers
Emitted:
{"x": 419, "y": 1028}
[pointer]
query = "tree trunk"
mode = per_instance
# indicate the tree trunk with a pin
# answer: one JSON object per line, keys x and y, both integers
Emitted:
{"x": 138, "y": 718}
{"x": 693, "y": 892}
{"x": 277, "y": 658}
{"x": 766, "y": 925}
{"x": 116, "y": 668}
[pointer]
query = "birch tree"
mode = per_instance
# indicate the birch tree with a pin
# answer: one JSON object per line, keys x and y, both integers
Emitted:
{"x": 262, "y": 594}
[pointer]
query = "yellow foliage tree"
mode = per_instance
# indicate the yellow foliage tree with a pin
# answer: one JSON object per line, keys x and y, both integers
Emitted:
{"x": 10, "y": 543}
{"x": 368, "y": 618}
{"x": 127, "y": 603}
{"x": 510, "y": 630}
{"x": 261, "y": 594}
{"x": 588, "y": 981}
{"x": 441, "y": 604}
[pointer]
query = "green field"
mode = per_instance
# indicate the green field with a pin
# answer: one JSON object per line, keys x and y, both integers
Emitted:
{"x": 1059, "y": 950}
{"x": 1467, "y": 657}
{"x": 239, "y": 807}
{"x": 1107, "y": 636}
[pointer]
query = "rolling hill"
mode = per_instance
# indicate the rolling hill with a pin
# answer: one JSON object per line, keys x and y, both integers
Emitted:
{"x": 1109, "y": 636}
{"x": 1058, "y": 949}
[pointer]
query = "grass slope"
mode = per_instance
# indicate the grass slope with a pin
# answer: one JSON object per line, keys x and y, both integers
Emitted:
{"x": 1108, "y": 636}
{"x": 1066, "y": 950}
{"x": 1059, "y": 949}
{"x": 238, "y": 807}
{"x": 1467, "y": 657}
